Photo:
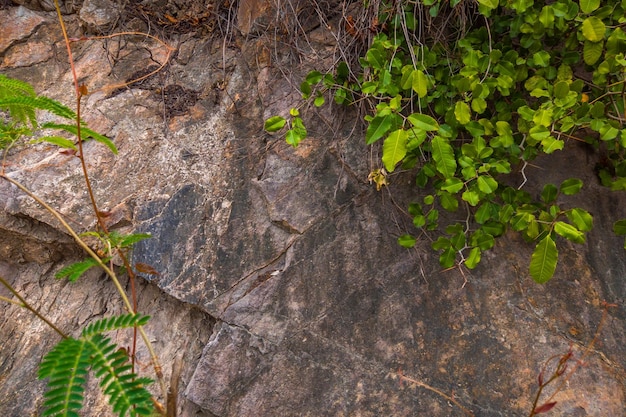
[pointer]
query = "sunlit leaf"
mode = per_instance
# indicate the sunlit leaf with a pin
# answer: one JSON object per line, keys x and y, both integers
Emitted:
{"x": 420, "y": 83}
{"x": 394, "y": 149}
{"x": 275, "y": 123}
{"x": 571, "y": 186}
{"x": 443, "y": 154}
{"x": 406, "y": 241}
{"x": 593, "y": 29}
{"x": 473, "y": 259}
{"x": 592, "y": 51}
{"x": 543, "y": 260}
{"x": 569, "y": 232}
{"x": 74, "y": 271}
{"x": 423, "y": 122}
{"x": 588, "y": 6}
{"x": 452, "y": 185}
{"x": 489, "y": 4}
{"x": 487, "y": 184}
{"x": 462, "y": 112}
{"x": 378, "y": 127}
{"x": 580, "y": 218}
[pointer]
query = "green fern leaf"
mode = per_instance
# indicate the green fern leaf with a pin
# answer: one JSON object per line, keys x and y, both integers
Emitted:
{"x": 114, "y": 323}
{"x": 130, "y": 240}
{"x": 86, "y": 133}
{"x": 66, "y": 366}
{"x": 13, "y": 86}
{"x": 75, "y": 270}
{"x": 58, "y": 141}
{"x": 125, "y": 390}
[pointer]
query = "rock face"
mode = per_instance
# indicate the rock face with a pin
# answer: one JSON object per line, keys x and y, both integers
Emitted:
{"x": 280, "y": 283}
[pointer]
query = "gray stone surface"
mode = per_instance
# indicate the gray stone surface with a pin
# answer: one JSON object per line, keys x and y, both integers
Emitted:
{"x": 280, "y": 282}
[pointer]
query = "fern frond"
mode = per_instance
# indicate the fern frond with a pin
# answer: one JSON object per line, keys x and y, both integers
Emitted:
{"x": 12, "y": 87}
{"x": 58, "y": 141}
{"x": 86, "y": 133}
{"x": 37, "y": 103}
{"x": 125, "y": 390}
{"x": 130, "y": 240}
{"x": 66, "y": 366}
{"x": 114, "y": 323}
{"x": 75, "y": 270}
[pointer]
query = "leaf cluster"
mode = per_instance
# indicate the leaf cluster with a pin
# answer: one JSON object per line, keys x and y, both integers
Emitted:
{"x": 20, "y": 101}
{"x": 467, "y": 111}
{"x": 68, "y": 363}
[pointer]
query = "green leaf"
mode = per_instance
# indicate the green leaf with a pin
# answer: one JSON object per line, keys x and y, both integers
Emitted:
{"x": 551, "y": 144}
{"x": 489, "y": 4}
{"x": 448, "y": 201}
{"x": 593, "y": 29}
{"x": 580, "y": 218}
{"x": 375, "y": 58}
{"x": 544, "y": 259}
{"x": 473, "y": 259}
{"x": 419, "y": 221}
{"x": 561, "y": 89}
{"x": 293, "y": 137}
{"x": 546, "y": 17}
{"x": 420, "y": 83}
{"x": 569, "y": 232}
{"x": 394, "y": 149}
{"x": 423, "y": 122}
{"x": 305, "y": 88}
{"x": 462, "y": 112}
{"x": 58, "y": 141}
{"x": 443, "y": 154}
{"x": 588, "y": 6}
{"x": 406, "y": 241}
{"x": 88, "y": 133}
{"x": 549, "y": 193}
{"x": 471, "y": 197}
{"x": 378, "y": 127}
{"x": 592, "y": 51}
{"x": 487, "y": 184}
{"x": 447, "y": 257}
{"x": 452, "y": 185}
{"x": 124, "y": 389}
{"x": 108, "y": 324}
{"x": 482, "y": 240}
{"x": 66, "y": 366}
{"x": 619, "y": 227}
{"x": 275, "y": 123}
{"x": 313, "y": 77}
{"x": 131, "y": 239}
{"x": 571, "y": 186}
{"x": 75, "y": 270}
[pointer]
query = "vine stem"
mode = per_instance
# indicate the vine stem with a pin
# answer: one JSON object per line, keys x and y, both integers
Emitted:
{"x": 107, "y": 270}
{"x": 24, "y": 303}
{"x": 80, "y": 91}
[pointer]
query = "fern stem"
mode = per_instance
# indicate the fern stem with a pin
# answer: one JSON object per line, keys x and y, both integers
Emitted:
{"x": 24, "y": 303}
{"x": 107, "y": 270}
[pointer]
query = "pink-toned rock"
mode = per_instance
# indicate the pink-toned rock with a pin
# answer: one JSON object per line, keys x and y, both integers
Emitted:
{"x": 17, "y": 23}
{"x": 24, "y": 55}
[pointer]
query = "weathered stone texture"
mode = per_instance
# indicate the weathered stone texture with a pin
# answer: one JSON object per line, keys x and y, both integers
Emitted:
{"x": 280, "y": 281}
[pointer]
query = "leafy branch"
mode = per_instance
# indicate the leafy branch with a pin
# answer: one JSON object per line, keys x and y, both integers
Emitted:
{"x": 468, "y": 111}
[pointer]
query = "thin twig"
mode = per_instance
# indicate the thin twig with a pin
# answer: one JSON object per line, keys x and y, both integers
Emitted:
{"x": 27, "y": 306}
